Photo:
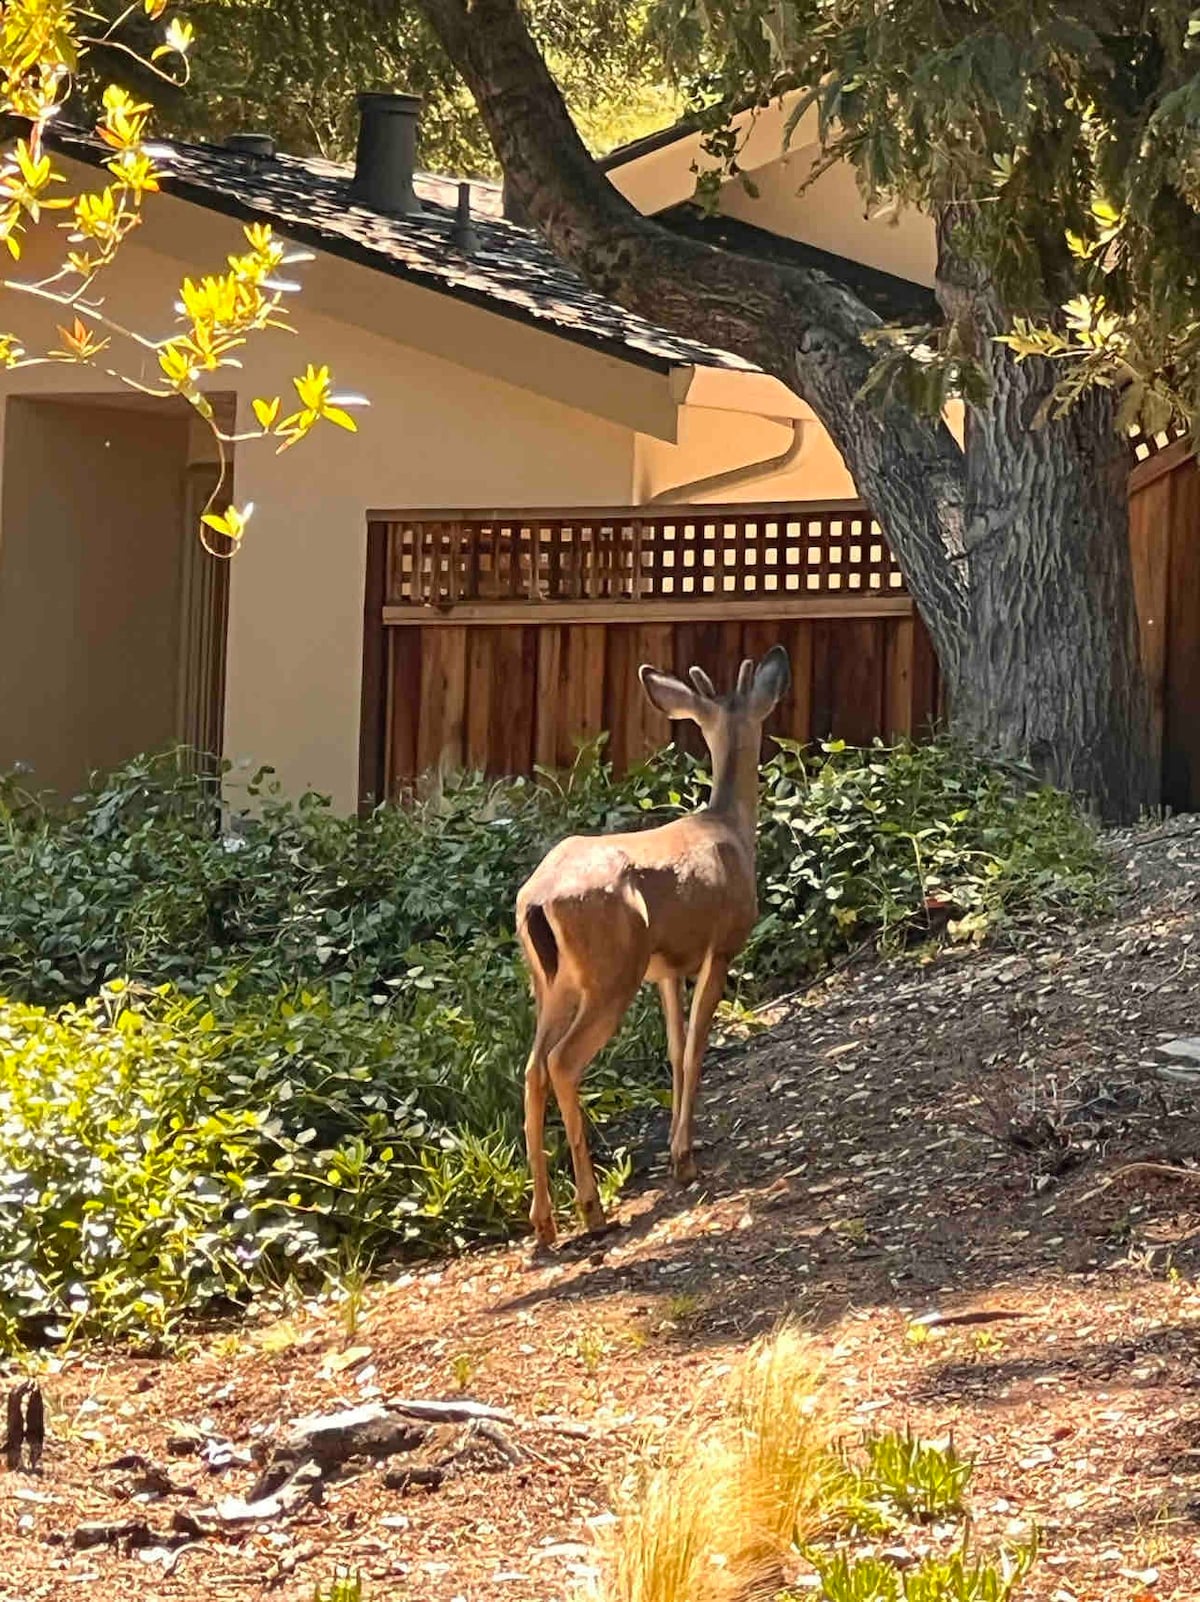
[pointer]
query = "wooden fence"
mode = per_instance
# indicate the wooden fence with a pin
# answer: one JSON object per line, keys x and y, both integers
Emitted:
{"x": 497, "y": 641}
{"x": 1164, "y": 539}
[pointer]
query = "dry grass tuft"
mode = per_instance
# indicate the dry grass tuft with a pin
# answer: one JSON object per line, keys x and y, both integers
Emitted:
{"x": 711, "y": 1523}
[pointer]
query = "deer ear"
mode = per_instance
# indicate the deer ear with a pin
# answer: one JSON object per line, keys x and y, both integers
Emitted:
{"x": 669, "y": 694}
{"x": 771, "y": 681}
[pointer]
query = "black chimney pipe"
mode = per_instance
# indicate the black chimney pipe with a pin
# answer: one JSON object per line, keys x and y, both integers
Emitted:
{"x": 462, "y": 229}
{"x": 387, "y": 153}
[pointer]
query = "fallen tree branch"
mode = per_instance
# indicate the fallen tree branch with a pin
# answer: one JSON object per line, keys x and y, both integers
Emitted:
{"x": 464, "y": 1412}
{"x": 1162, "y": 1170}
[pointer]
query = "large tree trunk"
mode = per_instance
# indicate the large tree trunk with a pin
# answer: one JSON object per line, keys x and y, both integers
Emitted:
{"x": 1016, "y": 552}
{"x": 1051, "y": 672}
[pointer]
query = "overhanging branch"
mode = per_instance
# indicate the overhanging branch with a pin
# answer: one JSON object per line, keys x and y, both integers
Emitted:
{"x": 793, "y": 322}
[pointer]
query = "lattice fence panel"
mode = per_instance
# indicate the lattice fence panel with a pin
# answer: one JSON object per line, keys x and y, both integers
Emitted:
{"x": 1144, "y": 446}
{"x": 695, "y": 556}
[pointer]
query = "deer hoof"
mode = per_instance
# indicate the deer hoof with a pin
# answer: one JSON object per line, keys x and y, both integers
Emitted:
{"x": 685, "y": 1169}
{"x": 544, "y": 1231}
{"x": 594, "y": 1220}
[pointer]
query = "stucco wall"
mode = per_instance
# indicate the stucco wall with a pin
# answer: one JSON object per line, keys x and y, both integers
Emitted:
{"x": 711, "y": 441}
{"x": 437, "y": 434}
{"x": 832, "y": 215}
{"x": 89, "y": 582}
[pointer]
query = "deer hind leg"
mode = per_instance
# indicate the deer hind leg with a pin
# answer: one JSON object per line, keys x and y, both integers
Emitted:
{"x": 710, "y": 984}
{"x": 558, "y": 1005}
{"x": 671, "y": 991}
{"x": 594, "y": 1025}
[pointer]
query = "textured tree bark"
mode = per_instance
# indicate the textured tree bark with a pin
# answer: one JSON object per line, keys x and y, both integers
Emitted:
{"x": 1016, "y": 551}
{"x": 1052, "y": 671}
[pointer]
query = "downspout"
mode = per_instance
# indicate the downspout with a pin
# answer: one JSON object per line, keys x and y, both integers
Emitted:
{"x": 748, "y": 473}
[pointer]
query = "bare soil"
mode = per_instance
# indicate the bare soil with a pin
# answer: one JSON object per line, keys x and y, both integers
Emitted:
{"x": 926, "y": 1137}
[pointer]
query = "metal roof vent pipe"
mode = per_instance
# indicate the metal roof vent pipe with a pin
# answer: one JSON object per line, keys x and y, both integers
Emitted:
{"x": 462, "y": 230}
{"x": 386, "y": 158}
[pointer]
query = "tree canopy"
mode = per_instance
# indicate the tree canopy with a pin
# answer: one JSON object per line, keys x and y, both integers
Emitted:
{"x": 292, "y": 68}
{"x": 1058, "y": 145}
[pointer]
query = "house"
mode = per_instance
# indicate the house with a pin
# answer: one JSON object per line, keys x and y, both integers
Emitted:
{"x": 545, "y": 490}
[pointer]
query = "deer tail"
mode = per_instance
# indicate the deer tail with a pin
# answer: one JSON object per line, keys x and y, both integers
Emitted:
{"x": 539, "y": 937}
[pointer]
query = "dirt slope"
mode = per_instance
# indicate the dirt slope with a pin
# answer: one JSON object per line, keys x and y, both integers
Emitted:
{"x": 923, "y": 1138}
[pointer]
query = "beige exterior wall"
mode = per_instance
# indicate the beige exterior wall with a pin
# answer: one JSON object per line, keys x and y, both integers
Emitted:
{"x": 89, "y": 587}
{"x": 833, "y": 216}
{"x": 830, "y": 215}
{"x": 713, "y": 441}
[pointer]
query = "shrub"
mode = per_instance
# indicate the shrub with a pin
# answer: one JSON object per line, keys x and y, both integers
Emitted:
{"x": 868, "y": 843}
{"x": 238, "y": 1045}
{"x": 157, "y": 1156}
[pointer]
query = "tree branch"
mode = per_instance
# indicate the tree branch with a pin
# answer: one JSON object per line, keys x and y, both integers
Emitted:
{"x": 795, "y": 323}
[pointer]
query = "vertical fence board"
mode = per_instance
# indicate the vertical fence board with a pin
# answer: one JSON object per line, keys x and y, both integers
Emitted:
{"x": 620, "y": 688}
{"x": 1181, "y": 723}
{"x": 653, "y": 643}
{"x": 404, "y": 657}
{"x": 443, "y": 699}
{"x": 857, "y": 676}
{"x": 510, "y": 749}
{"x": 548, "y": 698}
{"x": 1150, "y": 550}
{"x": 585, "y": 652}
{"x": 900, "y": 647}
{"x": 481, "y": 675}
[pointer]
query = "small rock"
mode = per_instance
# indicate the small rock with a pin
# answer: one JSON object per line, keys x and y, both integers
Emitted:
{"x": 1186, "y": 1046}
{"x": 184, "y": 1442}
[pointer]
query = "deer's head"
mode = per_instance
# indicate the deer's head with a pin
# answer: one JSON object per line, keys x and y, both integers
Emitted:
{"x": 723, "y": 719}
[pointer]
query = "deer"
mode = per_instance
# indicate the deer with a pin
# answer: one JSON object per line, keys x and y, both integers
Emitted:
{"x": 602, "y": 914}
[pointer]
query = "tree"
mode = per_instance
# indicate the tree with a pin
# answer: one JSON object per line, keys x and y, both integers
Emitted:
{"x": 292, "y": 68}
{"x": 1057, "y": 150}
{"x": 44, "y": 46}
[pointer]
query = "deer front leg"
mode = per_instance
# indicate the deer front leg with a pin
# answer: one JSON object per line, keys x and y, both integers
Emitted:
{"x": 710, "y": 985}
{"x": 671, "y": 991}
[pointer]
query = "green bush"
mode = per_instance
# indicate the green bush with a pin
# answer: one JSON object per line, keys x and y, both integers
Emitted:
{"x": 866, "y": 844}
{"x": 239, "y": 1046}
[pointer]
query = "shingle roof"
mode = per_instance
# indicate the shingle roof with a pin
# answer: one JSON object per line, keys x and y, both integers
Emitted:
{"x": 511, "y": 272}
{"x": 896, "y": 300}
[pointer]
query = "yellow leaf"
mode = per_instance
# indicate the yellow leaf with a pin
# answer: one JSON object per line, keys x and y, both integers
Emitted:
{"x": 335, "y": 414}
{"x": 266, "y": 412}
